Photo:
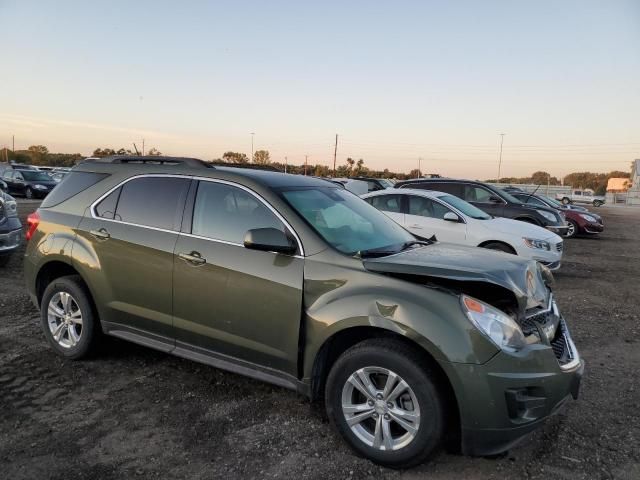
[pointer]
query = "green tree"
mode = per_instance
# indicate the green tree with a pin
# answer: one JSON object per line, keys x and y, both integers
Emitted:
{"x": 38, "y": 154}
{"x": 235, "y": 157}
{"x": 154, "y": 152}
{"x": 261, "y": 157}
{"x": 103, "y": 152}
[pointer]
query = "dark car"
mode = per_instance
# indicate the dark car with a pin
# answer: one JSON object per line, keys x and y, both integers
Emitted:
{"x": 10, "y": 227}
{"x": 375, "y": 184}
{"x": 28, "y": 183}
{"x": 295, "y": 281}
{"x": 493, "y": 201}
{"x": 580, "y": 222}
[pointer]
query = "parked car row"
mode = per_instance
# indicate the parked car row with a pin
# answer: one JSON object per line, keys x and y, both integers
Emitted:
{"x": 407, "y": 341}
{"x": 10, "y": 226}
{"x": 30, "y": 181}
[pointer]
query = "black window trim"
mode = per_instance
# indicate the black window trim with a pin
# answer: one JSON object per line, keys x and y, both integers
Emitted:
{"x": 189, "y": 234}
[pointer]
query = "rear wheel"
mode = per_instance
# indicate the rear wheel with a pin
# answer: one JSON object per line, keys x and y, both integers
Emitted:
{"x": 566, "y": 200}
{"x": 28, "y": 193}
{"x": 385, "y": 402}
{"x": 597, "y": 203}
{"x": 573, "y": 228}
{"x": 68, "y": 320}
{"x": 502, "y": 247}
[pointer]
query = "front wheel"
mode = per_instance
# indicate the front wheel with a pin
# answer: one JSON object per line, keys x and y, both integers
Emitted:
{"x": 597, "y": 203}
{"x": 385, "y": 402}
{"x": 573, "y": 228}
{"x": 28, "y": 193}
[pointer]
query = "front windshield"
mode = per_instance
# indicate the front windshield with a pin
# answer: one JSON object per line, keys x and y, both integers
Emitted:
{"x": 508, "y": 197}
{"x": 387, "y": 183}
{"x": 552, "y": 201}
{"x": 465, "y": 207}
{"x": 32, "y": 176}
{"x": 345, "y": 221}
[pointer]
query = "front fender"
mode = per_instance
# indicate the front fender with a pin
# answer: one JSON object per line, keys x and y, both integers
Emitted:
{"x": 340, "y": 297}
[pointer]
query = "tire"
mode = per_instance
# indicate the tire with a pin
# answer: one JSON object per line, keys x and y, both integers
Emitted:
{"x": 597, "y": 203}
{"x": 28, "y": 193}
{"x": 502, "y": 247}
{"x": 574, "y": 229}
{"x": 4, "y": 260}
{"x": 566, "y": 201}
{"x": 370, "y": 359}
{"x": 76, "y": 334}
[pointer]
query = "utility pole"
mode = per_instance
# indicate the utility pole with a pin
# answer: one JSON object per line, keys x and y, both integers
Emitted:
{"x": 252, "y": 134}
{"x": 285, "y": 164}
{"x": 335, "y": 154}
{"x": 419, "y": 167}
{"x": 305, "y": 164}
{"x": 143, "y": 147}
{"x": 13, "y": 143}
{"x": 500, "y": 156}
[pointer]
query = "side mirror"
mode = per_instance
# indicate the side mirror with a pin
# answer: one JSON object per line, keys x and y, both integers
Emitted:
{"x": 494, "y": 199}
{"x": 269, "y": 240}
{"x": 451, "y": 217}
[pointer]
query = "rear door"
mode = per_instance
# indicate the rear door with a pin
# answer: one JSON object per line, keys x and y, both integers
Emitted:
{"x": 133, "y": 231}
{"x": 228, "y": 299}
{"x": 425, "y": 217}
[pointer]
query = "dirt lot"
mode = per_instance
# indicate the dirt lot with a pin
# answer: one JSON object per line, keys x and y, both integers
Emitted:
{"x": 134, "y": 412}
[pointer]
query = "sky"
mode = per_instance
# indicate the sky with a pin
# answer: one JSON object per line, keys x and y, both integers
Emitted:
{"x": 397, "y": 81}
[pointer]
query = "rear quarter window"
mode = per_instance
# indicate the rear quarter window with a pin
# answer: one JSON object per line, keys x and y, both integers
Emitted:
{"x": 71, "y": 185}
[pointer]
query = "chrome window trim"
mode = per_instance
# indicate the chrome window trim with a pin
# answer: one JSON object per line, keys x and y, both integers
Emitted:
{"x": 205, "y": 179}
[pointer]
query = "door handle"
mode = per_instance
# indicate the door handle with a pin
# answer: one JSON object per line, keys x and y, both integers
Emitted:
{"x": 194, "y": 258}
{"x": 418, "y": 227}
{"x": 101, "y": 234}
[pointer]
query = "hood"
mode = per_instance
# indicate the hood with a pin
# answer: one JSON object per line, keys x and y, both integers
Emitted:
{"x": 518, "y": 228}
{"x": 529, "y": 281}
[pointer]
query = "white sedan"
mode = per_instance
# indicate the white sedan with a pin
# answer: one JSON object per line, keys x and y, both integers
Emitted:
{"x": 426, "y": 213}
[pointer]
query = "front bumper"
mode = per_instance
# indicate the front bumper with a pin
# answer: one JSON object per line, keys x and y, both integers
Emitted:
{"x": 558, "y": 229}
{"x": 593, "y": 228}
{"x": 511, "y": 395}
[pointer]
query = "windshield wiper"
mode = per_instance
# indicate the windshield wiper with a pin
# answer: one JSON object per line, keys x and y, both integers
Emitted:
{"x": 385, "y": 251}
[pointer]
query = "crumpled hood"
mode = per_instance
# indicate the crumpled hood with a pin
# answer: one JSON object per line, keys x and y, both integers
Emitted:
{"x": 529, "y": 281}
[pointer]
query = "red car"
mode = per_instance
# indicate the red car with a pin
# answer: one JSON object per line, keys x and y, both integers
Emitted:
{"x": 580, "y": 222}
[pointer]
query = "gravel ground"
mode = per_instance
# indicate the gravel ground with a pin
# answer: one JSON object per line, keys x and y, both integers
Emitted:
{"x": 134, "y": 412}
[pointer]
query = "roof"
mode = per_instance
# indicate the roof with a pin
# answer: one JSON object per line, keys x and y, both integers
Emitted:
{"x": 406, "y": 191}
{"x": 618, "y": 184}
{"x": 194, "y": 166}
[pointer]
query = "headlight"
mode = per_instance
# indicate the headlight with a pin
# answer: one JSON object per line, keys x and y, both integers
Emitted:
{"x": 500, "y": 328}
{"x": 8, "y": 206}
{"x": 588, "y": 218}
{"x": 539, "y": 244}
{"x": 39, "y": 187}
{"x": 548, "y": 215}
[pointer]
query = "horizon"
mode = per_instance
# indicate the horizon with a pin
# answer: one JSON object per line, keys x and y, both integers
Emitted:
{"x": 430, "y": 80}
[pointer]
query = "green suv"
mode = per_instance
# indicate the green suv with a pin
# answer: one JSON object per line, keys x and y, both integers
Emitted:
{"x": 411, "y": 344}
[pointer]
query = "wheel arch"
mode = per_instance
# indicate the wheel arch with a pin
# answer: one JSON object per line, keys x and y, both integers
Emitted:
{"x": 53, "y": 270}
{"x": 502, "y": 242}
{"x": 341, "y": 341}
{"x": 527, "y": 219}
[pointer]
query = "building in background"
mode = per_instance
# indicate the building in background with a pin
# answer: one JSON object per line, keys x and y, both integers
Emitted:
{"x": 633, "y": 195}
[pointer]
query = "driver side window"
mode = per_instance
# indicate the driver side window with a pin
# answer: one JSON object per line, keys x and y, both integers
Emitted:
{"x": 425, "y": 207}
{"x": 477, "y": 194}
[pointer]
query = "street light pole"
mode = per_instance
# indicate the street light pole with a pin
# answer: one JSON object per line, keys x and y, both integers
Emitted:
{"x": 252, "y": 134}
{"x": 500, "y": 156}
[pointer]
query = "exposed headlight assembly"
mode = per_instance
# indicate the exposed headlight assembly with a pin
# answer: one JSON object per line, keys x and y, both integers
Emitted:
{"x": 588, "y": 218}
{"x": 501, "y": 329}
{"x": 539, "y": 244}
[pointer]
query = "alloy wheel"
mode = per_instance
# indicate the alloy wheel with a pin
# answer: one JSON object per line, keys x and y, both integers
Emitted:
{"x": 65, "y": 319}
{"x": 572, "y": 229}
{"x": 29, "y": 193}
{"x": 380, "y": 408}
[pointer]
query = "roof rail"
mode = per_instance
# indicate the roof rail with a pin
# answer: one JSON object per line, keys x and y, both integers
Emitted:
{"x": 150, "y": 159}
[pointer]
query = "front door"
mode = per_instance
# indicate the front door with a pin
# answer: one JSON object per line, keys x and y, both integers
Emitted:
{"x": 228, "y": 299}
{"x": 132, "y": 233}
{"x": 425, "y": 217}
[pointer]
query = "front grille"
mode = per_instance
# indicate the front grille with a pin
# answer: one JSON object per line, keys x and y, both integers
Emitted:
{"x": 561, "y": 345}
{"x": 559, "y": 246}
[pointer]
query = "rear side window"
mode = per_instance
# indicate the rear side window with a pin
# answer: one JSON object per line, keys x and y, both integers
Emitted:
{"x": 71, "y": 185}
{"x": 387, "y": 203}
{"x": 107, "y": 207}
{"x": 425, "y": 207}
{"x": 152, "y": 201}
